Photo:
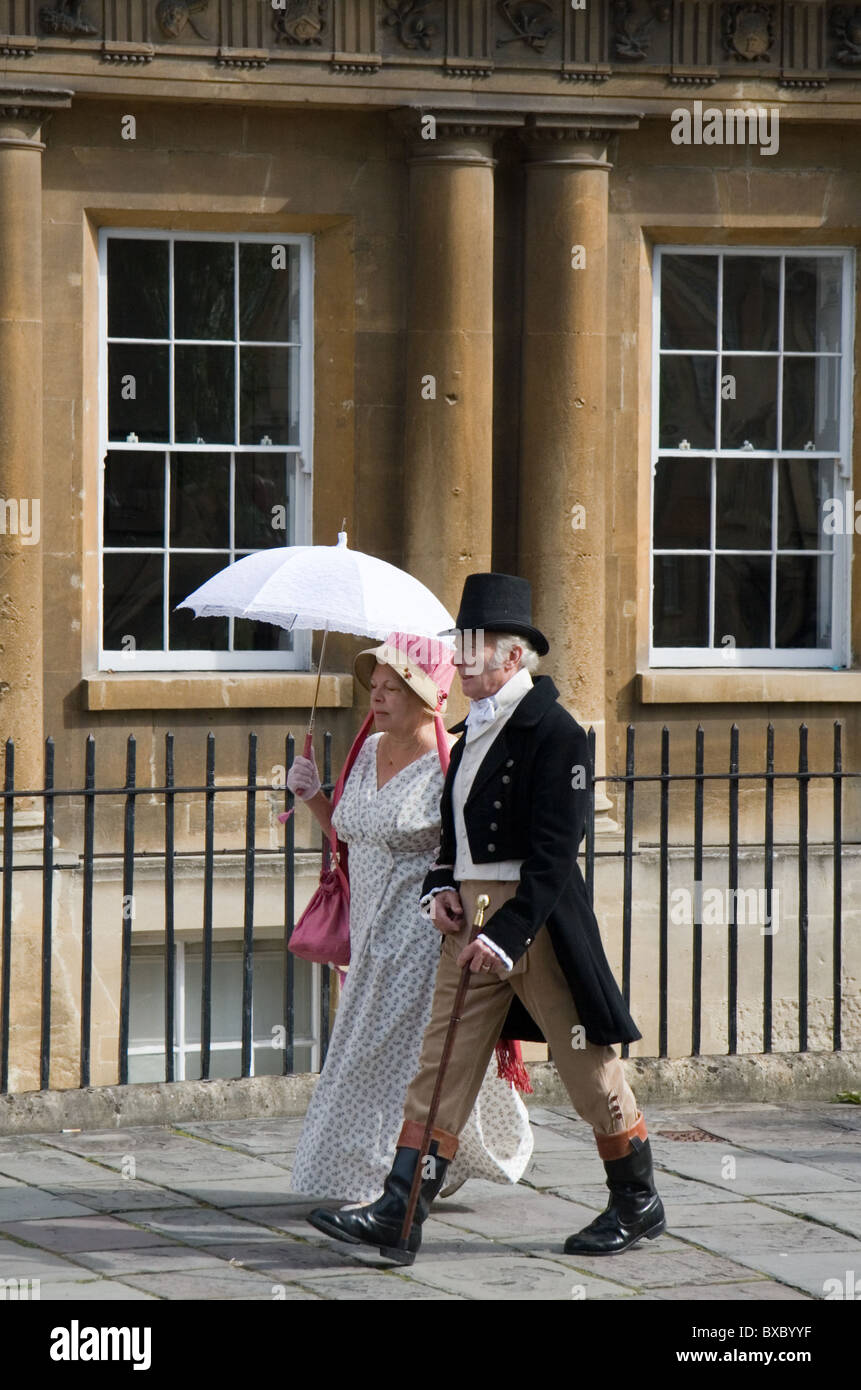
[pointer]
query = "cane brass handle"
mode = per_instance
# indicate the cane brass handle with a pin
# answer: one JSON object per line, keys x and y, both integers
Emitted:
{"x": 482, "y": 903}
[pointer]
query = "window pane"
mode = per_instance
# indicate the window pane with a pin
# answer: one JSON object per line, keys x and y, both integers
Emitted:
{"x": 743, "y": 504}
{"x": 751, "y": 290}
{"x": 687, "y": 402}
{"x": 269, "y": 395}
{"x": 264, "y": 516}
{"x": 689, "y": 301}
{"x": 812, "y": 304}
{"x": 802, "y": 490}
{"x": 148, "y": 1067}
{"x": 188, "y": 633}
{"x": 681, "y": 612}
{"x": 751, "y": 417}
{"x": 811, "y": 394}
{"x": 742, "y": 599}
{"x": 138, "y": 288}
{"x": 203, "y": 395}
{"x": 269, "y": 294}
{"x": 268, "y": 997}
{"x": 203, "y": 297}
{"x": 200, "y": 501}
{"x": 252, "y": 636}
{"x": 683, "y": 504}
{"x": 146, "y": 1004}
{"x": 133, "y": 604}
{"x": 803, "y": 617}
{"x": 134, "y": 499}
{"x": 137, "y": 391}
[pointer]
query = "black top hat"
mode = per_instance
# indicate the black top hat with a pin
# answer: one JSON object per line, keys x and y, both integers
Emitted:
{"x": 499, "y": 603}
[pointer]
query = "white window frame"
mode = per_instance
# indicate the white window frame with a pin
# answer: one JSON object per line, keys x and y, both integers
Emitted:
{"x": 183, "y": 1048}
{"x": 722, "y": 657}
{"x": 299, "y": 659}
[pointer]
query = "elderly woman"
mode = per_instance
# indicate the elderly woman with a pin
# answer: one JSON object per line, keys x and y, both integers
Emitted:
{"x": 389, "y": 818}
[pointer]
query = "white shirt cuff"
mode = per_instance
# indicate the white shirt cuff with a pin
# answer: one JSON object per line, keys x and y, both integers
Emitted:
{"x": 497, "y": 950}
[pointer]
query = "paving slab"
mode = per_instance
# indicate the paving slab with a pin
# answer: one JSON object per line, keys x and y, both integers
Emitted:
{"x": 254, "y": 1136}
{"x": 508, "y": 1277}
{"x": 757, "y": 1291}
{"x": 19, "y": 1261}
{"x": 120, "y": 1196}
{"x": 44, "y": 1166}
{"x": 681, "y": 1215}
{"x": 148, "y": 1260}
{"x": 811, "y": 1272}
{"x": 200, "y": 1226}
{"x": 377, "y": 1287}
{"x": 843, "y": 1213}
{"x": 561, "y": 1168}
{"x": 231, "y": 1192}
{"x": 96, "y": 1291}
{"x": 19, "y": 1202}
{"x": 71, "y": 1234}
{"x": 641, "y": 1268}
{"x": 229, "y": 1284}
{"x": 782, "y": 1237}
{"x": 753, "y": 1173}
{"x": 516, "y": 1209}
{"x": 288, "y": 1258}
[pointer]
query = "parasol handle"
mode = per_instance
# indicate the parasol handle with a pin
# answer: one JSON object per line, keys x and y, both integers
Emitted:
{"x": 309, "y": 744}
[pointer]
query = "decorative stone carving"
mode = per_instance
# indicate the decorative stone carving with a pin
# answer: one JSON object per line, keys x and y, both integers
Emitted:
{"x": 846, "y": 26}
{"x": 633, "y": 21}
{"x": 300, "y": 21}
{"x": 17, "y": 46}
{"x": 531, "y": 21}
{"x": 343, "y": 62}
{"x": 748, "y": 32}
{"x": 409, "y": 22}
{"x": 173, "y": 15}
{"x": 65, "y": 19}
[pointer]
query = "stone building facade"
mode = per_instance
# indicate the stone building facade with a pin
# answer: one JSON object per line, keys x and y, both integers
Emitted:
{"x": 561, "y": 289}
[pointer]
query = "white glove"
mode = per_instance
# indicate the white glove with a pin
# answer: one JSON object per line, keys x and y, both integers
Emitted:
{"x": 303, "y": 780}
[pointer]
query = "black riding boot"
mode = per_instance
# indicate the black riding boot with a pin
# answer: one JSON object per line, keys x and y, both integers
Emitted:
{"x": 380, "y": 1223}
{"x": 634, "y": 1210}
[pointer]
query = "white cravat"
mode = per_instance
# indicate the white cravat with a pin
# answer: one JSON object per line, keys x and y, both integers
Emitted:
{"x": 480, "y": 735}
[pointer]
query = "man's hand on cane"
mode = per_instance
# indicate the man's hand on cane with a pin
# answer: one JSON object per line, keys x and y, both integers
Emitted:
{"x": 480, "y": 957}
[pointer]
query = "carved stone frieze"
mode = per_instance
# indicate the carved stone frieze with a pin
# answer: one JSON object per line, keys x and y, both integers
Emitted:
{"x": 66, "y": 19}
{"x": 846, "y": 28}
{"x": 412, "y": 26}
{"x": 172, "y": 17}
{"x": 633, "y": 25}
{"x": 532, "y": 21}
{"x": 748, "y": 32}
{"x": 300, "y": 22}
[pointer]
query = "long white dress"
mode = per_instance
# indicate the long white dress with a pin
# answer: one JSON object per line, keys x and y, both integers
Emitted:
{"x": 352, "y": 1124}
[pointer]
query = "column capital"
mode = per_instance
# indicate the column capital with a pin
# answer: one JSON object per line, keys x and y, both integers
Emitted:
{"x": 452, "y": 136}
{"x": 580, "y": 138}
{"x": 23, "y": 112}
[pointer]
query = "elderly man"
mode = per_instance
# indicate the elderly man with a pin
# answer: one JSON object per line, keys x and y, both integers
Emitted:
{"x": 513, "y": 815}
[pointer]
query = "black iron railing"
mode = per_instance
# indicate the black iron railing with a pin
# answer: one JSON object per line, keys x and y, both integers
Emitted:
{"x": 693, "y": 782}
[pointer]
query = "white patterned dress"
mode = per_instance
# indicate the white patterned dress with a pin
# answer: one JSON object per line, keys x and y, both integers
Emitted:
{"x": 352, "y": 1124}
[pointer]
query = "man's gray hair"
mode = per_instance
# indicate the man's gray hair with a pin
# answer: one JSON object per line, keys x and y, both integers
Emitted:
{"x": 505, "y": 641}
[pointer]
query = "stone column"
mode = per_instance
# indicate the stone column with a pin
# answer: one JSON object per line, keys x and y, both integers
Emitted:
{"x": 448, "y": 462}
{"x": 563, "y": 443}
{"x": 22, "y": 114}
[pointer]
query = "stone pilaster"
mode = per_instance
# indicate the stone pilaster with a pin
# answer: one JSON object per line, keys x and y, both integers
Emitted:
{"x": 448, "y": 464}
{"x": 563, "y": 453}
{"x": 23, "y": 112}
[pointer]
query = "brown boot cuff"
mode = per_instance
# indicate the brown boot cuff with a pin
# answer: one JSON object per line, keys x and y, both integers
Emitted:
{"x": 619, "y": 1145}
{"x": 413, "y": 1132}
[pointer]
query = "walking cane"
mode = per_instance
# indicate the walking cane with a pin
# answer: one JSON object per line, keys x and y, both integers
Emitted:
{"x": 482, "y": 903}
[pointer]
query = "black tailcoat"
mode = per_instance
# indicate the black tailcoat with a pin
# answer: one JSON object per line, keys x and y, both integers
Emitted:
{"x": 529, "y": 801}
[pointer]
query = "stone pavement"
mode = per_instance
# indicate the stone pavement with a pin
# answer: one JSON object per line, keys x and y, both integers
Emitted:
{"x": 763, "y": 1202}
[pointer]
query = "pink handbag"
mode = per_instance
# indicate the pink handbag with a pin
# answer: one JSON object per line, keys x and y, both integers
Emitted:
{"x": 322, "y": 933}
